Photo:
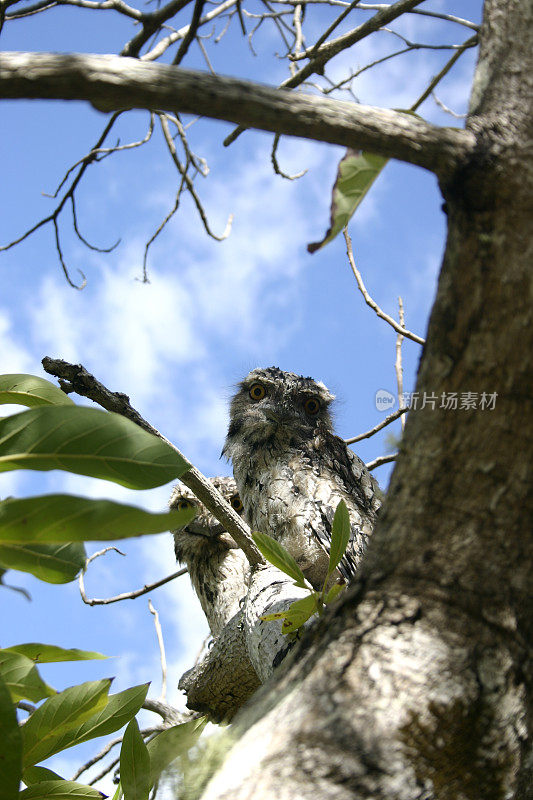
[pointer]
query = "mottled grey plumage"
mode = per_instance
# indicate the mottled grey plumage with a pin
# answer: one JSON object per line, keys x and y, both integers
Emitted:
{"x": 217, "y": 567}
{"x": 291, "y": 470}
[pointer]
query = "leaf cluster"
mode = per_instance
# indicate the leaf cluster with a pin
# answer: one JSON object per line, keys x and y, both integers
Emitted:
{"x": 44, "y": 535}
{"x": 303, "y": 609}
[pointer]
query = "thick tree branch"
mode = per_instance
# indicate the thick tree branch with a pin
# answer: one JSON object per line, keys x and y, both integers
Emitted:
{"x": 113, "y": 82}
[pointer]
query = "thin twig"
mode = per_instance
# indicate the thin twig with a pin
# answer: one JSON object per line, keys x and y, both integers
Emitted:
{"x": 398, "y": 366}
{"x": 277, "y": 169}
{"x": 445, "y": 108}
{"x": 387, "y": 421}
{"x": 94, "y": 601}
{"x": 75, "y": 378}
{"x": 161, "y": 643}
{"x": 372, "y": 303}
{"x": 444, "y": 71}
{"x": 24, "y": 706}
{"x": 378, "y": 462}
{"x": 169, "y": 714}
{"x": 191, "y": 33}
{"x": 330, "y": 49}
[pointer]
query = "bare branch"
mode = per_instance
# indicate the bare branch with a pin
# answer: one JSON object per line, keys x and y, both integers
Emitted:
{"x": 169, "y": 40}
{"x": 24, "y": 706}
{"x": 75, "y": 378}
{"x": 380, "y": 460}
{"x": 169, "y": 714}
{"x": 188, "y": 182}
{"x": 107, "y": 5}
{"x": 150, "y": 24}
{"x": 125, "y": 595}
{"x": 387, "y": 421}
{"x": 191, "y": 33}
{"x": 112, "y": 81}
{"x": 277, "y": 170}
{"x": 372, "y": 303}
{"x": 161, "y": 643}
{"x": 444, "y": 71}
{"x": 446, "y": 109}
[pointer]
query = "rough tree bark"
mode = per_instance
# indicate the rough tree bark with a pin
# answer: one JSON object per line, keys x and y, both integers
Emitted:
{"x": 419, "y": 685}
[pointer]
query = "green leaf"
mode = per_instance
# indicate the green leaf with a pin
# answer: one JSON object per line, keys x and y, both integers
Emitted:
{"x": 172, "y": 743}
{"x": 22, "y": 678}
{"x": 33, "y": 775}
{"x": 29, "y": 390}
{"x": 334, "y": 592}
{"x": 87, "y": 441}
{"x": 67, "y": 518}
{"x": 60, "y": 790}
{"x": 296, "y": 614}
{"x": 299, "y": 612}
{"x": 66, "y": 710}
{"x": 340, "y": 536}
{"x": 47, "y": 653}
{"x": 357, "y": 172}
{"x": 118, "y": 793}
{"x": 119, "y": 709}
{"x": 134, "y": 764}
{"x": 11, "y": 748}
{"x": 274, "y": 552}
{"x": 54, "y": 563}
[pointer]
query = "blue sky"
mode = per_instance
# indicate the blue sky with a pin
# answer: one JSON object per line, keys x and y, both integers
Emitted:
{"x": 212, "y": 311}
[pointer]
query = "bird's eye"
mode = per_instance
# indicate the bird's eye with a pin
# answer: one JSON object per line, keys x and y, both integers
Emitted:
{"x": 236, "y": 503}
{"x": 257, "y": 391}
{"x": 183, "y": 504}
{"x": 312, "y": 406}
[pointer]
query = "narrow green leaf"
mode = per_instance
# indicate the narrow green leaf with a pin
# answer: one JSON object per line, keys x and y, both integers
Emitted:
{"x": 171, "y": 743}
{"x": 340, "y": 535}
{"x": 334, "y": 592}
{"x": 11, "y": 747}
{"x": 31, "y": 391}
{"x": 47, "y": 653}
{"x": 60, "y": 790}
{"x": 66, "y": 710}
{"x": 357, "y": 172}
{"x": 299, "y": 612}
{"x": 134, "y": 764}
{"x": 119, "y": 709}
{"x": 277, "y": 555}
{"x": 54, "y": 563}
{"x": 118, "y": 793}
{"x": 33, "y": 775}
{"x": 296, "y": 614}
{"x": 67, "y": 518}
{"x": 22, "y": 678}
{"x": 87, "y": 441}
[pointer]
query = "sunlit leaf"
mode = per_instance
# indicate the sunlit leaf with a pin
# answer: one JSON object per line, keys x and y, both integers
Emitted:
{"x": 11, "y": 747}
{"x": 171, "y": 743}
{"x": 47, "y": 653}
{"x": 356, "y": 173}
{"x": 67, "y": 518}
{"x": 334, "y": 592}
{"x": 21, "y": 677}
{"x": 54, "y": 563}
{"x": 119, "y": 709}
{"x": 299, "y": 612}
{"x": 33, "y": 775}
{"x": 66, "y": 710}
{"x": 274, "y": 552}
{"x": 340, "y": 535}
{"x": 90, "y": 442}
{"x": 31, "y": 391}
{"x": 134, "y": 764}
{"x": 60, "y": 790}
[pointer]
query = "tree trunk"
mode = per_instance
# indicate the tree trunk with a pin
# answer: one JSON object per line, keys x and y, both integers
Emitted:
{"x": 419, "y": 683}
